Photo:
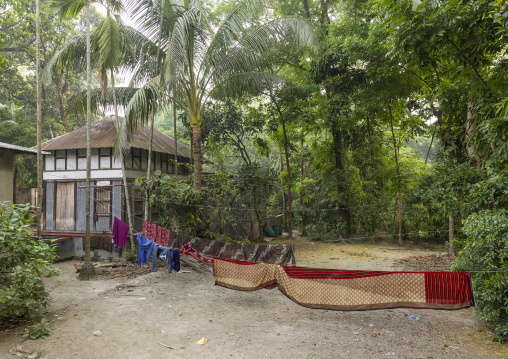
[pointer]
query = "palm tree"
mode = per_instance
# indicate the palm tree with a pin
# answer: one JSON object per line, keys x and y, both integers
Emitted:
{"x": 39, "y": 118}
{"x": 114, "y": 48}
{"x": 157, "y": 62}
{"x": 202, "y": 61}
{"x": 198, "y": 61}
{"x": 111, "y": 47}
{"x": 70, "y": 8}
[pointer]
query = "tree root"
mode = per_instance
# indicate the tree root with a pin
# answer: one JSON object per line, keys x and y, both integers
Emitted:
{"x": 87, "y": 272}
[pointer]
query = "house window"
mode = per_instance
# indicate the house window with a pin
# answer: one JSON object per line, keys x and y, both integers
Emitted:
{"x": 104, "y": 158}
{"x": 103, "y": 200}
{"x": 157, "y": 162}
{"x": 60, "y": 159}
{"x": 138, "y": 199}
{"x": 136, "y": 158}
{"x": 82, "y": 159}
{"x": 164, "y": 162}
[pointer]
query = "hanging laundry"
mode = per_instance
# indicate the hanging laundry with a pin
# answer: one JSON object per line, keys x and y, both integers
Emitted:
{"x": 163, "y": 235}
{"x": 205, "y": 250}
{"x": 145, "y": 249}
{"x": 350, "y": 290}
{"x": 150, "y": 231}
{"x": 154, "y": 257}
{"x": 100, "y": 241}
{"x": 120, "y": 233}
{"x": 170, "y": 256}
{"x": 175, "y": 259}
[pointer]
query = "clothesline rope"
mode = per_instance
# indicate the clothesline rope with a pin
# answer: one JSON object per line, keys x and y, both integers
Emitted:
{"x": 355, "y": 238}
{"x": 251, "y": 209}
{"x": 388, "y": 235}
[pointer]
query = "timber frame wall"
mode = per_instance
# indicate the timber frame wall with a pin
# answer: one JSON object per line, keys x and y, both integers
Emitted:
{"x": 64, "y": 192}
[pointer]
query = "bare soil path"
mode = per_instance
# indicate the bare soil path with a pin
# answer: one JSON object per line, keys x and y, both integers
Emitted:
{"x": 161, "y": 315}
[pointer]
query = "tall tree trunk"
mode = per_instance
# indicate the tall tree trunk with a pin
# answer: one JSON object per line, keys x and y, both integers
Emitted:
{"x": 175, "y": 135}
{"x": 258, "y": 216}
{"x": 88, "y": 272}
{"x": 148, "y": 168}
{"x": 344, "y": 214}
{"x": 196, "y": 148}
{"x": 284, "y": 205}
{"x": 288, "y": 180}
{"x": 149, "y": 165}
{"x": 39, "y": 119}
{"x": 122, "y": 161}
{"x": 451, "y": 235}
{"x": 470, "y": 129}
{"x": 371, "y": 150}
{"x": 398, "y": 174}
{"x": 430, "y": 146}
{"x": 306, "y": 8}
{"x": 62, "y": 94}
{"x": 301, "y": 176}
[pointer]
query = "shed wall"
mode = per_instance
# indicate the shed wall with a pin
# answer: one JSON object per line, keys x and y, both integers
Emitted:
{"x": 6, "y": 177}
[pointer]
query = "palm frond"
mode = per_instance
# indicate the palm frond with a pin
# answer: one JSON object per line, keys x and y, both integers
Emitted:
{"x": 112, "y": 42}
{"x": 71, "y": 55}
{"x": 145, "y": 101}
{"x": 66, "y": 8}
{"x": 187, "y": 46}
{"x": 247, "y": 83}
{"x": 233, "y": 26}
{"x": 77, "y": 103}
{"x": 246, "y": 55}
{"x": 147, "y": 15}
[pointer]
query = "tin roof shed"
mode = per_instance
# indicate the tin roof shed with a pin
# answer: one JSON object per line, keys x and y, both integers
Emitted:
{"x": 19, "y": 149}
{"x": 103, "y": 136}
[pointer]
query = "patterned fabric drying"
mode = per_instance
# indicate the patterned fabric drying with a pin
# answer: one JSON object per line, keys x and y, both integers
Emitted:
{"x": 205, "y": 250}
{"x": 100, "y": 241}
{"x": 350, "y": 290}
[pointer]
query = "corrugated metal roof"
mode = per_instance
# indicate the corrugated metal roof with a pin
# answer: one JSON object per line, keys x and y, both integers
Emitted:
{"x": 19, "y": 149}
{"x": 103, "y": 136}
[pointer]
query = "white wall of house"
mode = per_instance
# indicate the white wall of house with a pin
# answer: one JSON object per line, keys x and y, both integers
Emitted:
{"x": 71, "y": 164}
{"x": 6, "y": 177}
{"x": 72, "y": 175}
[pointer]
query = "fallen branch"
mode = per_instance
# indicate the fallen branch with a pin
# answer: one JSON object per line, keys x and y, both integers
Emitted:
{"x": 164, "y": 345}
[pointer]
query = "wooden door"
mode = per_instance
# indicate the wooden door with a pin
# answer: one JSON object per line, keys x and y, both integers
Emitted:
{"x": 64, "y": 206}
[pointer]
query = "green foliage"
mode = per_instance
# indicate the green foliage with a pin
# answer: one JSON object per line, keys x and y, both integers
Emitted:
{"x": 219, "y": 192}
{"x": 181, "y": 204}
{"x": 457, "y": 189}
{"x": 485, "y": 253}
{"x": 131, "y": 255}
{"x": 38, "y": 330}
{"x": 24, "y": 262}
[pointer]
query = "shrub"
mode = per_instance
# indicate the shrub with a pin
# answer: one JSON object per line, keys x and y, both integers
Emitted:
{"x": 131, "y": 255}
{"x": 485, "y": 251}
{"x": 24, "y": 262}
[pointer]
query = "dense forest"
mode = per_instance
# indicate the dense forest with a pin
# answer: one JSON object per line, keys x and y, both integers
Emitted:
{"x": 353, "y": 118}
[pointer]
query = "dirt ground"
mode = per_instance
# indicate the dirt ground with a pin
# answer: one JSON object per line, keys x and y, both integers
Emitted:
{"x": 161, "y": 315}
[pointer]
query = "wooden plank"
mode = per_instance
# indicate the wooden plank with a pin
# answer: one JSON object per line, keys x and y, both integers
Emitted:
{"x": 65, "y": 208}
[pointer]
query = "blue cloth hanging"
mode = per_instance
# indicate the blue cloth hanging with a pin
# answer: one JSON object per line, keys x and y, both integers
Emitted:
{"x": 175, "y": 258}
{"x": 145, "y": 249}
